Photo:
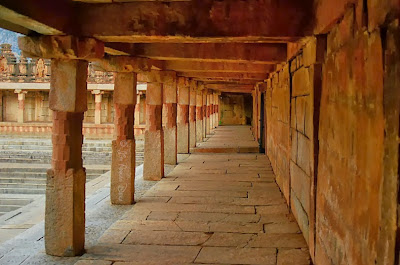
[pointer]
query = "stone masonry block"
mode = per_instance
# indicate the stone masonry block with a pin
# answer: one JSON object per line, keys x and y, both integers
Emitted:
{"x": 123, "y": 172}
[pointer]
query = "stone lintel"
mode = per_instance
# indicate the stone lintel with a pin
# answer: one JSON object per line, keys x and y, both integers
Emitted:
{"x": 123, "y": 64}
{"x": 155, "y": 76}
{"x": 61, "y": 47}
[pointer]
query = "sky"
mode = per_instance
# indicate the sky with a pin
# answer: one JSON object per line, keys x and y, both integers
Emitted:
{"x": 11, "y": 38}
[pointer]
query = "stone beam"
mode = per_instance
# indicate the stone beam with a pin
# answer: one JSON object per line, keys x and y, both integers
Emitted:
{"x": 268, "y": 53}
{"x": 61, "y": 47}
{"x": 122, "y": 64}
{"x": 230, "y": 76}
{"x": 46, "y": 17}
{"x": 221, "y": 67}
{"x": 155, "y": 21}
{"x": 155, "y": 76}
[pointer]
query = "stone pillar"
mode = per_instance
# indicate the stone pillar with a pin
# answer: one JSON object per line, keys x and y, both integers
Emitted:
{"x": 170, "y": 130}
{"x": 137, "y": 110}
{"x": 216, "y": 109}
{"x": 212, "y": 116}
{"x": 1, "y": 106}
{"x": 204, "y": 91}
{"x": 199, "y": 116}
{"x": 183, "y": 116}
{"x": 192, "y": 114}
{"x": 153, "y": 167}
{"x": 123, "y": 146}
{"x": 21, "y": 105}
{"x": 65, "y": 190}
{"x": 98, "y": 95}
{"x": 208, "y": 112}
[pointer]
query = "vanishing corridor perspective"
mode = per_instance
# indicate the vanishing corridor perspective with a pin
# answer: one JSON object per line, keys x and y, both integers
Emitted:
{"x": 268, "y": 130}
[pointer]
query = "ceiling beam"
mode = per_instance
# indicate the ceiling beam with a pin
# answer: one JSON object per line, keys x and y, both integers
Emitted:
{"x": 229, "y": 76}
{"x": 267, "y": 53}
{"x": 46, "y": 17}
{"x": 149, "y": 21}
{"x": 222, "y": 67}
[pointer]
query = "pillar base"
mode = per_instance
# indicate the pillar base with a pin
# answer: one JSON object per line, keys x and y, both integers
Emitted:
{"x": 123, "y": 172}
{"x": 153, "y": 166}
{"x": 65, "y": 213}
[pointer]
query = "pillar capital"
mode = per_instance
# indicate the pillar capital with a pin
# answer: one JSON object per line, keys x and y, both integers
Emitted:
{"x": 97, "y": 92}
{"x": 122, "y": 64}
{"x": 21, "y": 93}
{"x": 61, "y": 47}
{"x": 68, "y": 85}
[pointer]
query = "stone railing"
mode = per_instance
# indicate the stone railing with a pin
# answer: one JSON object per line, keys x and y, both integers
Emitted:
{"x": 23, "y": 70}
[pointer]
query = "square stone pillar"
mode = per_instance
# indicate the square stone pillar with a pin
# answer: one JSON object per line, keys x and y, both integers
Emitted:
{"x": 137, "y": 110}
{"x": 216, "y": 109}
{"x": 212, "y": 116}
{"x": 170, "y": 130}
{"x": 98, "y": 95}
{"x": 123, "y": 146}
{"x": 204, "y": 114}
{"x": 65, "y": 189}
{"x": 153, "y": 166}
{"x": 199, "y": 116}
{"x": 208, "y": 113}
{"x": 192, "y": 114}
{"x": 183, "y": 116}
{"x": 21, "y": 105}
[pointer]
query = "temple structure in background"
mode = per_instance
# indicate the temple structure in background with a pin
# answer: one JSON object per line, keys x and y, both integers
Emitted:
{"x": 24, "y": 98}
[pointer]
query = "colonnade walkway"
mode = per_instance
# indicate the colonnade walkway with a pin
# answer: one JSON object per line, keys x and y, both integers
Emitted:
{"x": 212, "y": 208}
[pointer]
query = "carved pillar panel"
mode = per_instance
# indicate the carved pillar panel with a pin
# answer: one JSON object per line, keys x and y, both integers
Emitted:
{"x": 153, "y": 166}
{"x": 123, "y": 145}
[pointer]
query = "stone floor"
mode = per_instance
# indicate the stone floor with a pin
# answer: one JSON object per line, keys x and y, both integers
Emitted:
{"x": 229, "y": 139}
{"x": 211, "y": 209}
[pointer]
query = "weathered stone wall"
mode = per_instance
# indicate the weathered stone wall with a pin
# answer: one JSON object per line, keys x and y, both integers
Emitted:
{"x": 234, "y": 111}
{"x": 351, "y": 146}
{"x": 342, "y": 99}
{"x": 278, "y": 127}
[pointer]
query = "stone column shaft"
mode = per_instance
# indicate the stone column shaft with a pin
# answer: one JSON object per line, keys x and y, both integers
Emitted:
{"x": 123, "y": 146}
{"x": 183, "y": 116}
{"x": 192, "y": 115}
{"x": 170, "y": 129}
{"x": 216, "y": 110}
{"x": 98, "y": 95}
{"x": 199, "y": 116}
{"x": 208, "y": 114}
{"x": 65, "y": 189}
{"x": 137, "y": 110}
{"x": 153, "y": 167}
{"x": 21, "y": 106}
{"x": 204, "y": 114}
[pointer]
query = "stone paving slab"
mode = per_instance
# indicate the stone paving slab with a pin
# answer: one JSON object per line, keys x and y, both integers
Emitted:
{"x": 212, "y": 209}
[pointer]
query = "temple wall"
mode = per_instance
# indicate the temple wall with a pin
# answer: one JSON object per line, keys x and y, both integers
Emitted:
{"x": 235, "y": 109}
{"x": 332, "y": 124}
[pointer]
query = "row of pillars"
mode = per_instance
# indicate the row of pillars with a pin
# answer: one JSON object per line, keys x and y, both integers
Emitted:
{"x": 190, "y": 113}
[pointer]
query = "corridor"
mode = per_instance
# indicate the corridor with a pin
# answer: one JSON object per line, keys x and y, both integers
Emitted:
{"x": 221, "y": 208}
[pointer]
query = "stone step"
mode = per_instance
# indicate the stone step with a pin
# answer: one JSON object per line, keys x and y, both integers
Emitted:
{"x": 22, "y": 191}
{"x": 22, "y": 185}
{"x": 41, "y": 180}
{"x": 45, "y": 168}
{"x": 9, "y": 208}
{"x": 42, "y": 175}
{"x": 15, "y": 201}
{"x": 49, "y": 148}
